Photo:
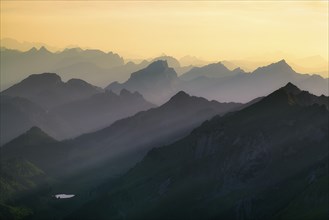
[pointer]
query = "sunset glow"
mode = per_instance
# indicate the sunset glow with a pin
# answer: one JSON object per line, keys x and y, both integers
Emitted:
{"x": 211, "y": 30}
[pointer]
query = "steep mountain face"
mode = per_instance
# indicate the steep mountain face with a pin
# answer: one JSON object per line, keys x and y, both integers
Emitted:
{"x": 48, "y": 90}
{"x": 100, "y": 110}
{"x": 157, "y": 82}
{"x": 267, "y": 161}
{"x": 214, "y": 70}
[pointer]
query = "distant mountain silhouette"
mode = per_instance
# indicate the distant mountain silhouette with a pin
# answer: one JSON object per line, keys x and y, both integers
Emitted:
{"x": 245, "y": 87}
{"x": 157, "y": 82}
{"x": 266, "y": 161}
{"x": 48, "y": 90}
{"x": 215, "y": 81}
{"x": 95, "y": 66}
{"x": 70, "y": 63}
{"x": 23, "y": 46}
{"x": 214, "y": 70}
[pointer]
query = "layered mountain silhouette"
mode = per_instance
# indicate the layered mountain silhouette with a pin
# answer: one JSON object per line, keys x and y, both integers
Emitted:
{"x": 17, "y": 65}
{"x": 245, "y": 87}
{"x": 157, "y": 82}
{"x": 126, "y": 141}
{"x": 48, "y": 90}
{"x": 63, "y": 110}
{"x": 266, "y": 161}
{"x": 95, "y": 66}
{"x": 215, "y": 81}
{"x": 151, "y": 145}
{"x": 95, "y": 157}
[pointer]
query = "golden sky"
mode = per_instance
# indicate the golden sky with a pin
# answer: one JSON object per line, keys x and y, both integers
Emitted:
{"x": 213, "y": 30}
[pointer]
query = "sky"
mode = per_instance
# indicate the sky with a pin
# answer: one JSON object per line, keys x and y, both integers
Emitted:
{"x": 212, "y": 30}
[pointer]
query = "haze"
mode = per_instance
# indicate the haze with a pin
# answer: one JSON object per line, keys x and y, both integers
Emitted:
{"x": 209, "y": 30}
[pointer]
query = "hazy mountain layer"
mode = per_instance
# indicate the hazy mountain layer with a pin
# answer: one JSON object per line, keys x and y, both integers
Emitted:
{"x": 17, "y": 65}
{"x": 95, "y": 66}
{"x": 48, "y": 90}
{"x": 216, "y": 82}
{"x": 63, "y": 110}
{"x": 262, "y": 81}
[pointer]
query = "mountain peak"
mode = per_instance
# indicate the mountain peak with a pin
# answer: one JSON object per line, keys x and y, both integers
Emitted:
{"x": 158, "y": 64}
{"x": 32, "y": 50}
{"x": 125, "y": 92}
{"x": 282, "y": 64}
{"x": 181, "y": 95}
{"x": 274, "y": 68}
{"x": 33, "y": 136}
{"x": 43, "y": 49}
{"x": 283, "y": 61}
{"x": 44, "y": 78}
{"x": 77, "y": 82}
{"x": 35, "y": 130}
{"x": 171, "y": 61}
{"x": 156, "y": 69}
{"x": 212, "y": 70}
{"x": 291, "y": 88}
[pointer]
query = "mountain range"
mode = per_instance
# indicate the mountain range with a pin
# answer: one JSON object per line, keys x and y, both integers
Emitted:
{"x": 90, "y": 159}
{"x": 266, "y": 161}
{"x": 68, "y": 109}
{"x": 155, "y": 139}
{"x": 63, "y": 109}
{"x": 158, "y": 82}
{"x": 95, "y": 66}
{"x": 127, "y": 140}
